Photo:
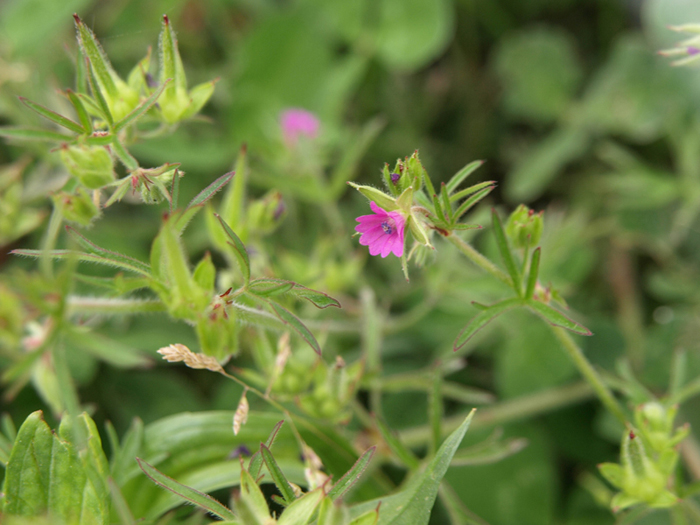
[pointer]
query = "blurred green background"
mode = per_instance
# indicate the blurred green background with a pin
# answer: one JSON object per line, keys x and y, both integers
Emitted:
{"x": 567, "y": 102}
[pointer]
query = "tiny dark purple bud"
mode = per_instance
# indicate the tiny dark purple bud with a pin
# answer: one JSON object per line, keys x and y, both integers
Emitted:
{"x": 152, "y": 82}
{"x": 692, "y": 50}
{"x": 395, "y": 177}
{"x": 240, "y": 450}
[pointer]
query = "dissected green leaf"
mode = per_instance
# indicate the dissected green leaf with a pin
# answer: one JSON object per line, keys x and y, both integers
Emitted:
{"x": 505, "y": 251}
{"x": 256, "y": 459}
{"x": 53, "y": 116}
{"x": 291, "y": 320}
{"x": 484, "y": 317}
{"x": 461, "y": 175}
{"x": 556, "y": 318}
{"x": 83, "y": 257}
{"x": 318, "y": 299}
{"x": 269, "y": 287}
{"x": 239, "y": 249}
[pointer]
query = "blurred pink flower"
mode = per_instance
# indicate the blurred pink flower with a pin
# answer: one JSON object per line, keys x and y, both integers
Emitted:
{"x": 298, "y": 122}
{"x": 383, "y": 232}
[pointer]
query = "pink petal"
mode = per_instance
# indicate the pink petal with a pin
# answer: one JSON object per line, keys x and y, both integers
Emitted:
{"x": 362, "y": 219}
{"x": 388, "y": 245}
{"x": 373, "y": 237}
{"x": 376, "y": 247}
{"x": 363, "y": 228}
{"x": 398, "y": 247}
{"x": 376, "y": 209}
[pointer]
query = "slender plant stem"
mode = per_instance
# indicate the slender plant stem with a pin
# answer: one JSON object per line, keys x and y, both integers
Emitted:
{"x": 506, "y": 412}
{"x": 49, "y": 240}
{"x": 589, "y": 373}
{"x": 575, "y": 353}
{"x": 478, "y": 259}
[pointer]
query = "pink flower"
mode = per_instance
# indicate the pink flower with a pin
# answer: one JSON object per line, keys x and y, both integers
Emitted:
{"x": 298, "y": 122}
{"x": 383, "y": 232}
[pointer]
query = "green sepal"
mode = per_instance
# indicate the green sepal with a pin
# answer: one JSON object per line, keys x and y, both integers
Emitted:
{"x": 405, "y": 200}
{"x": 199, "y": 96}
{"x": 252, "y": 497}
{"x": 205, "y": 273}
{"x": 380, "y": 198}
{"x": 302, "y": 509}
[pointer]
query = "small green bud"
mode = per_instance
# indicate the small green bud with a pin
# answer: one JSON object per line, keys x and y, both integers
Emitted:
{"x": 153, "y": 183}
{"x": 416, "y": 171}
{"x": 525, "y": 227}
{"x": 266, "y": 214}
{"x": 78, "y": 207}
{"x": 205, "y": 273}
{"x": 91, "y": 165}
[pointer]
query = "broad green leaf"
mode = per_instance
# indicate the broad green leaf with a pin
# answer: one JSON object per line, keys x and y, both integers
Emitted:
{"x": 91, "y": 247}
{"x": 534, "y": 272}
{"x": 414, "y": 502}
{"x": 352, "y": 476}
{"x": 291, "y": 320}
{"x": 207, "y": 193}
{"x": 301, "y": 510}
{"x": 411, "y": 33}
{"x": 461, "y": 175}
{"x": 556, "y": 318}
{"x": 269, "y": 287}
{"x": 483, "y": 318}
{"x": 380, "y": 198}
{"x": 239, "y": 249}
{"x": 33, "y": 134}
{"x": 277, "y": 475}
{"x": 193, "y": 496}
{"x": 506, "y": 253}
{"x": 53, "y": 116}
{"x": 83, "y": 257}
{"x": 46, "y": 474}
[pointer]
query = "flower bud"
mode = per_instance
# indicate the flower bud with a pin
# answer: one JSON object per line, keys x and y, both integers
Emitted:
{"x": 524, "y": 227}
{"x": 78, "y": 207}
{"x": 266, "y": 214}
{"x": 91, "y": 165}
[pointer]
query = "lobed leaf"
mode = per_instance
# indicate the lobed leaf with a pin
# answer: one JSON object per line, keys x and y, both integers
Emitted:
{"x": 142, "y": 108}
{"x": 471, "y": 201}
{"x": 53, "y": 116}
{"x": 238, "y": 249}
{"x": 483, "y": 318}
{"x": 83, "y": 257}
{"x": 41, "y": 135}
{"x": 291, "y": 320}
{"x": 556, "y": 318}
{"x": 472, "y": 189}
{"x": 269, "y": 287}
{"x": 118, "y": 257}
{"x": 534, "y": 272}
{"x": 462, "y": 174}
{"x": 318, "y": 299}
{"x": 82, "y": 113}
{"x": 504, "y": 249}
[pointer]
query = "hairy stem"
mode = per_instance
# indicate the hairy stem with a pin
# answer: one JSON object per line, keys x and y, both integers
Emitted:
{"x": 482, "y": 262}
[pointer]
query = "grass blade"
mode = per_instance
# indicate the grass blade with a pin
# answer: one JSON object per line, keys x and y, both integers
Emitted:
{"x": 256, "y": 460}
{"x": 353, "y": 475}
{"x": 201, "y": 500}
{"x": 277, "y": 475}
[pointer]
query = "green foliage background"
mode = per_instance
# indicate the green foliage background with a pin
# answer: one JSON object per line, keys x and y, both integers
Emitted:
{"x": 574, "y": 114}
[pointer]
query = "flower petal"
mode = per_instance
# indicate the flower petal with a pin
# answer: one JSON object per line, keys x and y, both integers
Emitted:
{"x": 376, "y": 209}
{"x": 372, "y": 237}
